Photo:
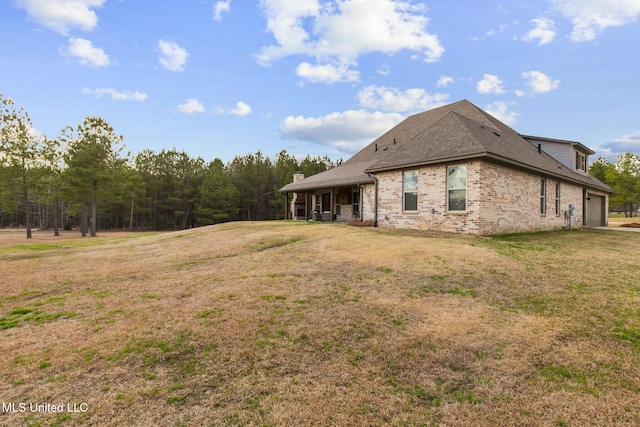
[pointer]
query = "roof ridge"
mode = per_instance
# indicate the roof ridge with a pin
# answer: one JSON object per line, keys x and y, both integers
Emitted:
{"x": 438, "y": 136}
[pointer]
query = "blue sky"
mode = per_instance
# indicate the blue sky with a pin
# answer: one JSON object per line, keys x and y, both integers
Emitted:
{"x": 231, "y": 77}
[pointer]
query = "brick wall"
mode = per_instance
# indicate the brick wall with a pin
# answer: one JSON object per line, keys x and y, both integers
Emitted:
{"x": 499, "y": 200}
{"x": 510, "y": 201}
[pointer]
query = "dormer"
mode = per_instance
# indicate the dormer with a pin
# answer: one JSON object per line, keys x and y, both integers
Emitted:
{"x": 571, "y": 154}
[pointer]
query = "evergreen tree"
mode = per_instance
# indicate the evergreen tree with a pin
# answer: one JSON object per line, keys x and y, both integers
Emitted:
{"x": 93, "y": 152}
{"x": 217, "y": 196}
{"x": 20, "y": 149}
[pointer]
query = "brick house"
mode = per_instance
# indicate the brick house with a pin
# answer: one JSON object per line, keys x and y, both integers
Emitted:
{"x": 457, "y": 169}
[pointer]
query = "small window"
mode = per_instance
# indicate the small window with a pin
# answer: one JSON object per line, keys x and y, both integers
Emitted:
{"x": 581, "y": 162}
{"x": 543, "y": 196}
{"x": 557, "y": 198}
{"x": 457, "y": 188}
{"x": 410, "y": 191}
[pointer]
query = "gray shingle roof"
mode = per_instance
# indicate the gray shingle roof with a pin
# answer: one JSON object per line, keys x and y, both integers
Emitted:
{"x": 454, "y": 132}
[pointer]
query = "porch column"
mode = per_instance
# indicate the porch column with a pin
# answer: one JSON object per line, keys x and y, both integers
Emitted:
{"x": 306, "y": 206}
{"x": 333, "y": 202}
{"x": 287, "y": 208}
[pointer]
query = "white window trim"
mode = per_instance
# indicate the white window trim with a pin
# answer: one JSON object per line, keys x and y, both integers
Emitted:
{"x": 447, "y": 189}
{"x": 581, "y": 161}
{"x": 404, "y": 203}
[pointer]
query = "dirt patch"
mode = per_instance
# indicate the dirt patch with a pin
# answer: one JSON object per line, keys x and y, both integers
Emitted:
{"x": 631, "y": 224}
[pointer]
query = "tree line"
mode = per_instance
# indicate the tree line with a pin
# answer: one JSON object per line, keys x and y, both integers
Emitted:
{"x": 623, "y": 176}
{"x": 85, "y": 179}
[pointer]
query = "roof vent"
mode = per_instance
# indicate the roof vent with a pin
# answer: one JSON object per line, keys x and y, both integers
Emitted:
{"x": 394, "y": 141}
{"x": 539, "y": 148}
{"x": 482, "y": 124}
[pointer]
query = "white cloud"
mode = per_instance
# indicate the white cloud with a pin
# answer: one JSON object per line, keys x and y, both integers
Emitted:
{"x": 348, "y": 131}
{"x": 392, "y": 99}
{"x": 328, "y": 73}
{"x": 494, "y": 31}
{"x": 539, "y": 82}
{"x": 384, "y": 70}
{"x": 61, "y": 15}
{"x": 444, "y": 81}
{"x": 500, "y": 111}
{"x": 543, "y": 31}
{"x": 591, "y": 17}
{"x": 285, "y": 22}
{"x": 192, "y": 105}
{"x": 172, "y": 56}
{"x": 625, "y": 144}
{"x": 490, "y": 84}
{"x": 340, "y": 32}
{"x": 86, "y": 53}
{"x": 115, "y": 95}
{"x": 220, "y": 8}
{"x": 241, "y": 109}
{"x": 376, "y": 26}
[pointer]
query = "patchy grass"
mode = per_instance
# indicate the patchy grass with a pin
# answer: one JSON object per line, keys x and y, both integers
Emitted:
{"x": 19, "y": 316}
{"x": 15, "y": 248}
{"x": 286, "y": 323}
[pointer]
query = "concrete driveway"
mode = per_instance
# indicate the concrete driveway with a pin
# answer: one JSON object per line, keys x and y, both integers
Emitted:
{"x": 632, "y": 229}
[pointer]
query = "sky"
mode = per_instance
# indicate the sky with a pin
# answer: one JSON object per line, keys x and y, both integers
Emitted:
{"x": 219, "y": 79}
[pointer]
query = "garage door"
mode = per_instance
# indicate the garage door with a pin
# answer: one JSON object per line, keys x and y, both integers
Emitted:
{"x": 595, "y": 211}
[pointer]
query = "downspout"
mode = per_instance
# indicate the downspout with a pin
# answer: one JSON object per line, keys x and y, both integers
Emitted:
{"x": 361, "y": 202}
{"x": 375, "y": 199}
{"x": 571, "y": 207}
{"x": 584, "y": 207}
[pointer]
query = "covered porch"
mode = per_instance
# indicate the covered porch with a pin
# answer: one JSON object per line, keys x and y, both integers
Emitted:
{"x": 335, "y": 204}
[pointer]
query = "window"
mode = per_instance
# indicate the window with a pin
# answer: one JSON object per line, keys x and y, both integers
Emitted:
{"x": 543, "y": 196}
{"x": 457, "y": 188}
{"x": 410, "y": 191}
{"x": 581, "y": 162}
{"x": 557, "y": 198}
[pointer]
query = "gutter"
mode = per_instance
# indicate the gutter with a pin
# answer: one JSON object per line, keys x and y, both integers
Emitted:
{"x": 322, "y": 185}
{"x": 375, "y": 199}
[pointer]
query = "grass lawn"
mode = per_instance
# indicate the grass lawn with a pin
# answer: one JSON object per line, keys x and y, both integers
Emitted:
{"x": 288, "y": 324}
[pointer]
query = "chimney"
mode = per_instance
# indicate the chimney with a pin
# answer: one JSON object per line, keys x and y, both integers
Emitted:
{"x": 298, "y": 176}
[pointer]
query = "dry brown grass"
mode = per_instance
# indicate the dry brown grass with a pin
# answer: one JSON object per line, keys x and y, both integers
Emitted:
{"x": 288, "y": 324}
